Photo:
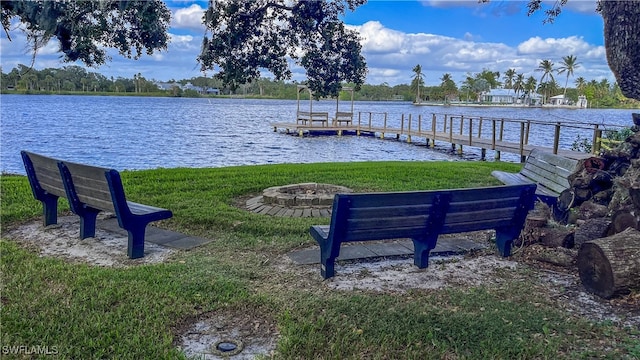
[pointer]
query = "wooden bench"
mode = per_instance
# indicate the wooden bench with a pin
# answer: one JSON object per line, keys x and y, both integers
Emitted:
{"x": 305, "y": 117}
{"x": 550, "y": 172}
{"x": 343, "y": 117}
{"x": 89, "y": 190}
{"x": 422, "y": 216}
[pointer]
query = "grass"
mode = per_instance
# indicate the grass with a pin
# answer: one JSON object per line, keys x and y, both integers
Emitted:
{"x": 132, "y": 313}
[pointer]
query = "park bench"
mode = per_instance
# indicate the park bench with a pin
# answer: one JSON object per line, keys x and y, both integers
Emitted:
{"x": 46, "y": 183}
{"x": 305, "y": 117}
{"x": 422, "y": 216}
{"x": 550, "y": 172}
{"x": 343, "y": 117}
{"x": 91, "y": 189}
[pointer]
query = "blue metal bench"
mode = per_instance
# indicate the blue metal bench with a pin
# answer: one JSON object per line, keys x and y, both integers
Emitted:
{"x": 422, "y": 216}
{"x": 89, "y": 190}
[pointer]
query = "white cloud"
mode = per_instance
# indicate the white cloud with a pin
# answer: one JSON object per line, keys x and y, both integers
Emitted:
{"x": 376, "y": 38}
{"x": 391, "y": 54}
{"x": 189, "y": 18}
{"x": 539, "y": 46}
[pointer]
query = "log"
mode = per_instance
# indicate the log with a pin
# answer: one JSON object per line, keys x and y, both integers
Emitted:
{"x": 591, "y": 210}
{"x": 621, "y": 220}
{"x": 557, "y": 237}
{"x": 591, "y": 229}
{"x": 556, "y": 256}
{"x": 611, "y": 266}
{"x": 634, "y": 194}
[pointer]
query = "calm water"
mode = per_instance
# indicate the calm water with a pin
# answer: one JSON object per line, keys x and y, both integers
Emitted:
{"x": 143, "y": 133}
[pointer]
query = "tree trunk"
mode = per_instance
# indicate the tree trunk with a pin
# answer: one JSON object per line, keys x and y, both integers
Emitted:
{"x": 611, "y": 266}
{"x": 621, "y": 19}
{"x": 591, "y": 229}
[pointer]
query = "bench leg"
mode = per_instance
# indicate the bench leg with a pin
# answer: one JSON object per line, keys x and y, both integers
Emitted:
{"x": 88, "y": 224}
{"x": 504, "y": 240}
{"x": 421, "y": 252}
{"x": 135, "y": 246}
{"x": 327, "y": 267}
{"x": 50, "y": 210}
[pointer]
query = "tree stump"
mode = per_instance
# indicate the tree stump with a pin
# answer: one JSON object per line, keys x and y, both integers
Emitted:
{"x": 611, "y": 266}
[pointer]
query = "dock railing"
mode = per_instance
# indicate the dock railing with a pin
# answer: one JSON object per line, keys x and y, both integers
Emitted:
{"x": 499, "y": 134}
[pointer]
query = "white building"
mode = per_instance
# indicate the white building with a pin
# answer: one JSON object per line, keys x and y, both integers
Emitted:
{"x": 499, "y": 96}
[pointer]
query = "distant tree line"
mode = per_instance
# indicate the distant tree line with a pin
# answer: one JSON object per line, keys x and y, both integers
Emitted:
{"x": 598, "y": 93}
{"x": 77, "y": 80}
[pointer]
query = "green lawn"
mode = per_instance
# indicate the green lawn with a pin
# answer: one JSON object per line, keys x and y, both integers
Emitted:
{"x": 90, "y": 312}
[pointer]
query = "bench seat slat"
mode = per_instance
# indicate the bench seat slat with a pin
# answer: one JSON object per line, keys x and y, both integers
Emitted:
{"x": 479, "y": 216}
{"x": 475, "y": 226}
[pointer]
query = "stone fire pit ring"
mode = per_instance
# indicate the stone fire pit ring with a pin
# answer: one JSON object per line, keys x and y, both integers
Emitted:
{"x": 297, "y": 200}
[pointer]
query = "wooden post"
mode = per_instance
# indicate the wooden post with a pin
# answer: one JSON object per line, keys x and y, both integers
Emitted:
{"x": 483, "y": 154}
{"x": 419, "y": 124}
{"x": 526, "y": 133}
{"x": 556, "y": 138}
{"x": 433, "y": 128}
{"x": 444, "y": 124}
{"x": 451, "y": 129}
{"x": 597, "y": 135}
{"x": 523, "y": 158}
{"x": 470, "y": 131}
{"x": 480, "y": 128}
{"x": 409, "y": 130}
{"x": 500, "y": 137}
{"x": 493, "y": 134}
{"x": 384, "y": 128}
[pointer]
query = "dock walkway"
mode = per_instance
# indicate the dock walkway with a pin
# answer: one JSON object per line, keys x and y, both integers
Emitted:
{"x": 498, "y": 134}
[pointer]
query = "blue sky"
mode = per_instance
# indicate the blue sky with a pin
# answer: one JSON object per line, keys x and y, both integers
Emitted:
{"x": 443, "y": 36}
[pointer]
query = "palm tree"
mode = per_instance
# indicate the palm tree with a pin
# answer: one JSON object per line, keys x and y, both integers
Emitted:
{"x": 417, "y": 82}
{"x": 509, "y": 75}
{"x": 546, "y": 66}
{"x": 581, "y": 83}
{"x": 518, "y": 85}
{"x": 448, "y": 86}
{"x": 569, "y": 63}
{"x": 467, "y": 84}
{"x": 530, "y": 86}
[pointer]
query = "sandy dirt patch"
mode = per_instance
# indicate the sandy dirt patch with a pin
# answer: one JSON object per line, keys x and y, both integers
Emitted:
{"x": 63, "y": 241}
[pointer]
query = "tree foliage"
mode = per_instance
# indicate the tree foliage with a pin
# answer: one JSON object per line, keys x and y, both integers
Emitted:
{"x": 85, "y": 28}
{"x": 246, "y": 36}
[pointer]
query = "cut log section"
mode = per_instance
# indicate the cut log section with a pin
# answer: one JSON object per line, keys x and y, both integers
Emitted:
{"x": 611, "y": 266}
{"x": 591, "y": 229}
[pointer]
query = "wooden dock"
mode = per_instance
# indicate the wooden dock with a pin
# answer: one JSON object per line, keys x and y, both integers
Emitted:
{"x": 498, "y": 134}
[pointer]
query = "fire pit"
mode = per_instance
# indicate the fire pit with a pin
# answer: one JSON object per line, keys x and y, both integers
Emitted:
{"x": 297, "y": 200}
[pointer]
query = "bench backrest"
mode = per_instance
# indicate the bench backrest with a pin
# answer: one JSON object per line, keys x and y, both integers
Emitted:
{"x": 88, "y": 185}
{"x": 549, "y": 170}
{"x": 43, "y": 174}
{"x": 417, "y": 214}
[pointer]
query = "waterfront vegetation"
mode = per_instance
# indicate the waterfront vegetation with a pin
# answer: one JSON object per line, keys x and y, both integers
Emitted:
{"x": 88, "y": 311}
{"x": 75, "y": 80}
